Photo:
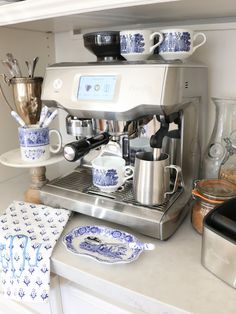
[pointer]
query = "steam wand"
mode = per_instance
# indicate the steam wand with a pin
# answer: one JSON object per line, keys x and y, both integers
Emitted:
{"x": 157, "y": 138}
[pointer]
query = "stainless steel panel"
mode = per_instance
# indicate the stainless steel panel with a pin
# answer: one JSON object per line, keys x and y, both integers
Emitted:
{"x": 144, "y": 88}
{"x": 219, "y": 256}
{"x": 75, "y": 192}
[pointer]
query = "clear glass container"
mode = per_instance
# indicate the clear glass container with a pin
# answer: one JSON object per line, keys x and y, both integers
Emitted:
{"x": 225, "y": 125}
{"x": 228, "y": 170}
{"x": 228, "y": 167}
{"x": 208, "y": 194}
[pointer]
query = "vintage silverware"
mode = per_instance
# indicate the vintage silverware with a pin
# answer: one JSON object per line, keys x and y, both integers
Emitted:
{"x": 18, "y": 118}
{"x": 34, "y": 65}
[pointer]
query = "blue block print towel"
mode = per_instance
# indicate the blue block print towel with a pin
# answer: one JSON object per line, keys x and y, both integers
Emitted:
{"x": 28, "y": 233}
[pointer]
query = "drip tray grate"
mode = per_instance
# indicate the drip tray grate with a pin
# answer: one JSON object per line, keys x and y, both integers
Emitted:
{"x": 81, "y": 181}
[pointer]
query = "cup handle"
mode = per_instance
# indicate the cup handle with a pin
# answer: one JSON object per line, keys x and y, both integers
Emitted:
{"x": 159, "y": 42}
{"x": 128, "y": 168}
{"x": 59, "y": 146}
{"x": 178, "y": 178}
{"x": 203, "y": 41}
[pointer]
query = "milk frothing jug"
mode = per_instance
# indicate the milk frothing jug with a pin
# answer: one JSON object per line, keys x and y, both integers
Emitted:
{"x": 152, "y": 178}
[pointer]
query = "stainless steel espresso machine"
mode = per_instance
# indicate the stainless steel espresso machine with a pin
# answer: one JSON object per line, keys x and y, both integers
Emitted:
{"x": 108, "y": 102}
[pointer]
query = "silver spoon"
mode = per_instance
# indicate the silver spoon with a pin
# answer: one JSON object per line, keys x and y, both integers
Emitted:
{"x": 34, "y": 65}
{"x": 29, "y": 67}
{"x": 17, "y": 68}
{"x": 8, "y": 66}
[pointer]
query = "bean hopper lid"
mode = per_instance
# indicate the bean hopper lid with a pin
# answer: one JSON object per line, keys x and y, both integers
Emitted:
{"x": 216, "y": 189}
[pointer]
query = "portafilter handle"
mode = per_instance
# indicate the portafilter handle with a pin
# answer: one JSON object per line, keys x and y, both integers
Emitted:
{"x": 78, "y": 149}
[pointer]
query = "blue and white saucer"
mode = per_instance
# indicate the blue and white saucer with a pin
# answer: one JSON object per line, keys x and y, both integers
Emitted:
{"x": 106, "y": 245}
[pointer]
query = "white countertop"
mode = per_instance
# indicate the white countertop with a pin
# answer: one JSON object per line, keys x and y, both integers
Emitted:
{"x": 170, "y": 274}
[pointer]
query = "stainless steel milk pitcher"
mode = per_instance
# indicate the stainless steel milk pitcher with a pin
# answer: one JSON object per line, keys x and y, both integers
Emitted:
{"x": 151, "y": 182}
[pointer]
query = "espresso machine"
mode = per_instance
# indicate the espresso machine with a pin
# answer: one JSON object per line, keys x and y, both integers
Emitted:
{"x": 109, "y": 102}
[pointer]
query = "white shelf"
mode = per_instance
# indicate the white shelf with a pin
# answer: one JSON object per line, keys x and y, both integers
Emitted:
{"x": 13, "y": 159}
{"x": 64, "y": 15}
{"x": 32, "y": 10}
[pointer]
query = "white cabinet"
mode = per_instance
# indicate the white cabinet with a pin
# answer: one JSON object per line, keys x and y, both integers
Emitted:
{"x": 76, "y": 299}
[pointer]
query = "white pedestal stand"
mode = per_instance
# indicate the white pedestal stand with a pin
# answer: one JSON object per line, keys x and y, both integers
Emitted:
{"x": 37, "y": 171}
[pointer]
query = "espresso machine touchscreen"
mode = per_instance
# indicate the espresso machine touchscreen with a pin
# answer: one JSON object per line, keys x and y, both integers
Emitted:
{"x": 148, "y": 114}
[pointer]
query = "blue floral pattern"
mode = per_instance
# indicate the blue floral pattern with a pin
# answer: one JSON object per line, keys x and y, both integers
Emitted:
{"x": 33, "y": 137}
{"x": 104, "y": 244}
{"x": 34, "y": 153}
{"x": 132, "y": 43}
{"x": 175, "y": 41}
{"x": 104, "y": 178}
{"x": 25, "y": 252}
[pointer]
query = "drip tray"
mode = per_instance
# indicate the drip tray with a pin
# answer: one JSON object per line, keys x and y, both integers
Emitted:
{"x": 76, "y": 192}
{"x": 81, "y": 181}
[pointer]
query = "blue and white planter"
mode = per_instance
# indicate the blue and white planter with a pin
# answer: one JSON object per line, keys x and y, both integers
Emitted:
{"x": 34, "y": 143}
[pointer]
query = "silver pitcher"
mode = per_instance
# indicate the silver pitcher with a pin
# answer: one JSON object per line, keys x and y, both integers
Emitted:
{"x": 151, "y": 182}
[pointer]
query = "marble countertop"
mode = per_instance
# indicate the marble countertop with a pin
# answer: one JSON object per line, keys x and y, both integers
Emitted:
{"x": 171, "y": 274}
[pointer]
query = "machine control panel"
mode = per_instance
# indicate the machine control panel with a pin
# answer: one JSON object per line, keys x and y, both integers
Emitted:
{"x": 93, "y": 87}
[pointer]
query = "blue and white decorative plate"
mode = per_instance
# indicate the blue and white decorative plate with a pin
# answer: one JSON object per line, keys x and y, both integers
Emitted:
{"x": 106, "y": 245}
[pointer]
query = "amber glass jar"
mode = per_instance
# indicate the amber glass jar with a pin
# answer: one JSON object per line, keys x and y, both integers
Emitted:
{"x": 208, "y": 194}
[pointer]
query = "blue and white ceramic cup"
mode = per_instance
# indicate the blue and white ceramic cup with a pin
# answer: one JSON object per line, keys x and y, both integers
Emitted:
{"x": 110, "y": 173}
{"x": 34, "y": 143}
{"x": 137, "y": 45}
{"x": 178, "y": 44}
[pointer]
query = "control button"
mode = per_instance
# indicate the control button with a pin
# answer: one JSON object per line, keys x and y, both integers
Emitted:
{"x": 97, "y": 87}
{"x": 57, "y": 84}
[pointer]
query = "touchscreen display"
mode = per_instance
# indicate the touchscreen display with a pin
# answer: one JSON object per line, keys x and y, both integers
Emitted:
{"x": 97, "y": 87}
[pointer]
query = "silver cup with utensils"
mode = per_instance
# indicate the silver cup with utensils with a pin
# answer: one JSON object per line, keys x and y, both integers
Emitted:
{"x": 27, "y": 97}
{"x": 26, "y": 90}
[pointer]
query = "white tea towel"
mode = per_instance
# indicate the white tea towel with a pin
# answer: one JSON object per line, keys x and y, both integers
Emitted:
{"x": 28, "y": 233}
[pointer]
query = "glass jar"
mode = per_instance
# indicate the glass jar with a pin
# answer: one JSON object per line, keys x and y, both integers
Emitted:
{"x": 225, "y": 125}
{"x": 228, "y": 167}
{"x": 228, "y": 170}
{"x": 208, "y": 194}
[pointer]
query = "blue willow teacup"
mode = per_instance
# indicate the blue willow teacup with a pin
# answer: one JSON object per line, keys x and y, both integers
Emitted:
{"x": 110, "y": 173}
{"x": 138, "y": 45}
{"x": 34, "y": 143}
{"x": 178, "y": 44}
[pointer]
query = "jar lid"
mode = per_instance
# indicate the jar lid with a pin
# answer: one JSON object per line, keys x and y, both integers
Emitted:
{"x": 216, "y": 189}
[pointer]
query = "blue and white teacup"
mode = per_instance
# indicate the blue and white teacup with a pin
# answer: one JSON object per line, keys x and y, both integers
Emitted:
{"x": 137, "y": 45}
{"x": 178, "y": 44}
{"x": 35, "y": 143}
{"x": 110, "y": 173}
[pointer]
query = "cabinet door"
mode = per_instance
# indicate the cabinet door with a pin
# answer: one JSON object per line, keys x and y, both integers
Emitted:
{"x": 77, "y": 300}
